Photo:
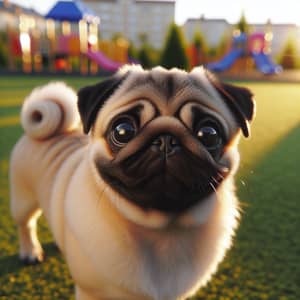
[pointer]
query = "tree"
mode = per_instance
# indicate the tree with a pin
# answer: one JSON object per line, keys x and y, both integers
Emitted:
{"x": 144, "y": 57}
{"x": 173, "y": 54}
{"x": 288, "y": 57}
{"x": 201, "y": 46}
{"x": 199, "y": 41}
{"x": 242, "y": 24}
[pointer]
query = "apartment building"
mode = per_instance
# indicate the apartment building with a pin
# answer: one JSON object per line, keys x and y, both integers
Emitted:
{"x": 134, "y": 19}
{"x": 11, "y": 15}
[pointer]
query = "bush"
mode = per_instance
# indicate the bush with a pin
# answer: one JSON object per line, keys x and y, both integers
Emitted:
{"x": 224, "y": 45}
{"x": 288, "y": 58}
{"x": 133, "y": 52}
{"x": 173, "y": 54}
{"x": 145, "y": 58}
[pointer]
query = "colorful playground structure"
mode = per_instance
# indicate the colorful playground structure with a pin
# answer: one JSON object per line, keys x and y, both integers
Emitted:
{"x": 69, "y": 41}
{"x": 256, "y": 46}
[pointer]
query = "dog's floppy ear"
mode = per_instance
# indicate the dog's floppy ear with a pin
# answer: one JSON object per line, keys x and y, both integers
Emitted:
{"x": 92, "y": 98}
{"x": 239, "y": 100}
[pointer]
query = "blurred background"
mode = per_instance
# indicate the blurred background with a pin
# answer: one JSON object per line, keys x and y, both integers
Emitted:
{"x": 89, "y": 36}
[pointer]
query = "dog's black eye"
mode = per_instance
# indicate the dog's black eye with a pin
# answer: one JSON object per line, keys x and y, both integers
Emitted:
{"x": 123, "y": 130}
{"x": 208, "y": 134}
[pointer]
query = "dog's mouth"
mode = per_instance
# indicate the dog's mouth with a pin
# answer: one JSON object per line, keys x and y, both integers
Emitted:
{"x": 170, "y": 186}
{"x": 164, "y": 193}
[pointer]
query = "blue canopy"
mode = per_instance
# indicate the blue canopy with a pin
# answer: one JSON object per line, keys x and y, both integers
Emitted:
{"x": 72, "y": 11}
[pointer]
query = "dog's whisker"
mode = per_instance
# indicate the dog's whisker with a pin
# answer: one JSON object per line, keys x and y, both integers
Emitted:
{"x": 220, "y": 175}
{"x": 215, "y": 180}
{"x": 213, "y": 187}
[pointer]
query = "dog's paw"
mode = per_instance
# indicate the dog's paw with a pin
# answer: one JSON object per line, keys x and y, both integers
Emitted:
{"x": 35, "y": 257}
{"x": 30, "y": 261}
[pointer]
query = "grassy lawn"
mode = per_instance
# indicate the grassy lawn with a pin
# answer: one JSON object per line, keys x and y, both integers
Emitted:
{"x": 264, "y": 261}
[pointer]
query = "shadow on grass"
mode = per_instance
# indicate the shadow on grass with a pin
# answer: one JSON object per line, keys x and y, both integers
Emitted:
{"x": 12, "y": 263}
{"x": 270, "y": 224}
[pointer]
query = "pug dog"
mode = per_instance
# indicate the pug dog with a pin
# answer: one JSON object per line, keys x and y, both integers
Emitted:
{"x": 135, "y": 176}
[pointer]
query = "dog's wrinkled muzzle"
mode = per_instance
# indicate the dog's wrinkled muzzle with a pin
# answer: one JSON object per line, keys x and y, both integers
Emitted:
{"x": 163, "y": 168}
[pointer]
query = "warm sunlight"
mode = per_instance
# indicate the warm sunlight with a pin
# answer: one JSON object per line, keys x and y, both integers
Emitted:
{"x": 256, "y": 11}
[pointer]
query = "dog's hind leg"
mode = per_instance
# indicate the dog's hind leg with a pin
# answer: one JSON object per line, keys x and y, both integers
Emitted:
{"x": 31, "y": 251}
{"x": 25, "y": 211}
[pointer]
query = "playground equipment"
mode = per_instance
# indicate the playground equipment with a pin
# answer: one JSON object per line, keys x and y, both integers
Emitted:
{"x": 67, "y": 40}
{"x": 68, "y": 47}
{"x": 24, "y": 43}
{"x": 255, "y": 46}
{"x": 102, "y": 60}
{"x": 259, "y": 49}
{"x": 85, "y": 44}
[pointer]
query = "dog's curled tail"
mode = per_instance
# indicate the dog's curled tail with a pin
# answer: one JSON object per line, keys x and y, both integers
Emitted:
{"x": 50, "y": 110}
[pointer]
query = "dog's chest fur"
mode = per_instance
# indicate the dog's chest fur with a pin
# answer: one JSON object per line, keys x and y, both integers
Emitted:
{"x": 167, "y": 262}
{"x": 149, "y": 264}
{"x": 153, "y": 264}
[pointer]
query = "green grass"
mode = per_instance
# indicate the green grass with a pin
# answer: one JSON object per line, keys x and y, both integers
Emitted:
{"x": 264, "y": 261}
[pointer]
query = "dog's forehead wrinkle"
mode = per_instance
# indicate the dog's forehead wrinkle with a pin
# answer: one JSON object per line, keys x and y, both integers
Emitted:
{"x": 139, "y": 80}
{"x": 153, "y": 93}
{"x": 167, "y": 83}
{"x": 199, "y": 85}
{"x": 171, "y": 83}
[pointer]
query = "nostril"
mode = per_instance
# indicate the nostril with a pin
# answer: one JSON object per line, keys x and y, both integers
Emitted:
{"x": 157, "y": 142}
{"x": 172, "y": 145}
{"x": 173, "y": 142}
{"x": 166, "y": 144}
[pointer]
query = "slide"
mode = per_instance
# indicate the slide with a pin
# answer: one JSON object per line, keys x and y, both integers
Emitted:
{"x": 226, "y": 62}
{"x": 264, "y": 63}
{"x": 103, "y": 61}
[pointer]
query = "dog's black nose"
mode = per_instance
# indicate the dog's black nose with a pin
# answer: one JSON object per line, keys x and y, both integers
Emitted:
{"x": 166, "y": 144}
